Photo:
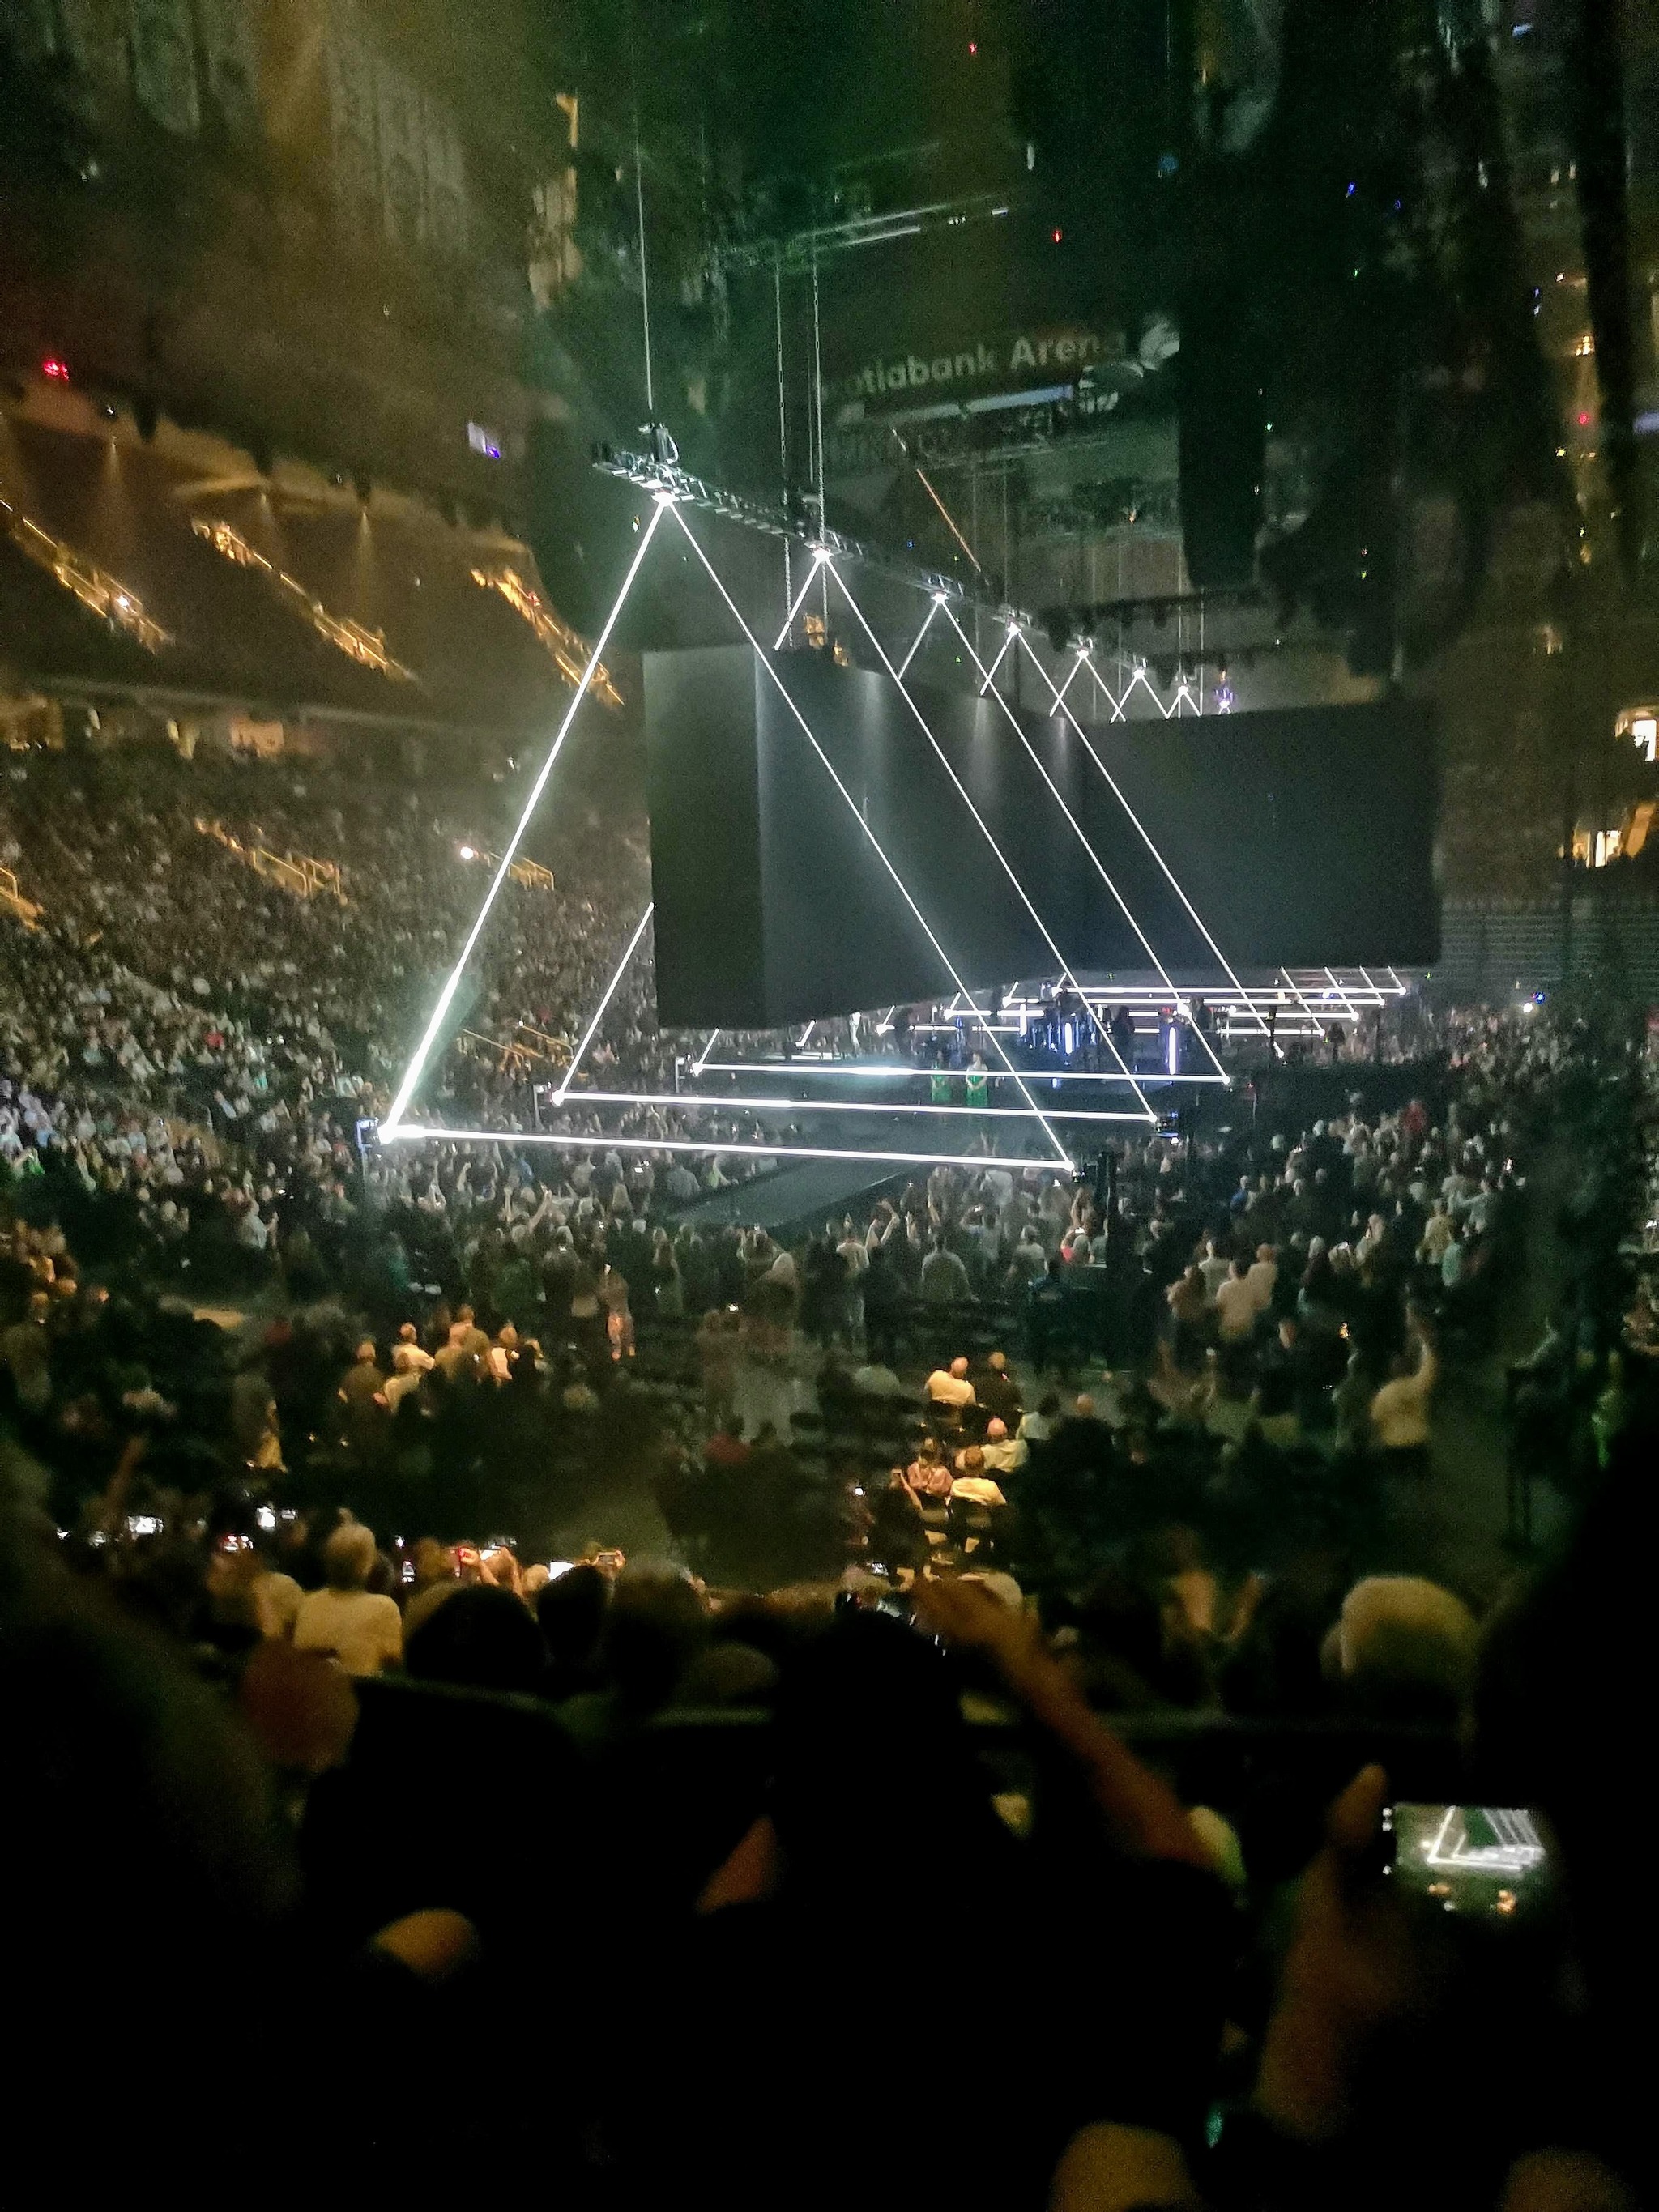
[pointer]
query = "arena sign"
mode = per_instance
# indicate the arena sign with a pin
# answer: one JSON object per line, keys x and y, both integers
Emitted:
{"x": 1056, "y": 354}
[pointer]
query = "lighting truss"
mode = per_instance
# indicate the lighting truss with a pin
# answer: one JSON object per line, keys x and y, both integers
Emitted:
{"x": 1118, "y": 701}
{"x": 668, "y": 479}
{"x": 670, "y": 486}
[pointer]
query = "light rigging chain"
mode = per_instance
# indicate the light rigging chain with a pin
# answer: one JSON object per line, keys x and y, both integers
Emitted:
{"x": 639, "y": 203}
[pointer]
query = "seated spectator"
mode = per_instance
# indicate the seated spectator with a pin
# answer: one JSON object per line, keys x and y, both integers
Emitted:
{"x": 949, "y": 1387}
{"x": 874, "y": 1379}
{"x": 1003, "y": 1454}
{"x": 1037, "y": 1427}
{"x": 481, "y": 1638}
{"x": 999, "y": 1391}
{"x": 973, "y": 1481}
{"x": 1404, "y": 1649}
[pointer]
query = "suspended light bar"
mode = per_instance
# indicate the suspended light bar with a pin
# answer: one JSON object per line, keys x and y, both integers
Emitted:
{"x": 716, "y": 1101}
{"x": 667, "y": 478}
{"x": 888, "y": 1072}
{"x": 1101, "y": 869}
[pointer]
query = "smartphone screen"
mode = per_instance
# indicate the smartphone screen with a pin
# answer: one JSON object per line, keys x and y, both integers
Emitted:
{"x": 1490, "y": 1861}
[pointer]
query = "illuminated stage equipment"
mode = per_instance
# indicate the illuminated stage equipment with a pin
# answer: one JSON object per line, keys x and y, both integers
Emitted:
{"x": 1033, "y": 910}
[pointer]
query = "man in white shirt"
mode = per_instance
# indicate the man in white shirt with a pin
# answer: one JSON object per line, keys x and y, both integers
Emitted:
{"x": 951, "y": 1387}
{"x": 1003, "y": 1454}
{"x": 1213, "y": 1267}
{"x": 1263, "y": 1276}
{"x": 362, "y": 1630}
{"x": 1400, "y": 1411}
{"x": 1235, "y": 1306}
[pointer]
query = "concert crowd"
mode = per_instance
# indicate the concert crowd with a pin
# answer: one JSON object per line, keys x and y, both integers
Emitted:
{"x": 596, "y": 1678}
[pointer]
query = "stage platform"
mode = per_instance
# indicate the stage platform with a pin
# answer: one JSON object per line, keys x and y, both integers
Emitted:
{"x": 806, "y": 1191}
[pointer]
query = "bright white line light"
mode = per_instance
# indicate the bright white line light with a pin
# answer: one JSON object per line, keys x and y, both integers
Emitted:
{"x": 991, "y": 672}
{"x": 416, "y": 1132}
{"x": 816, "y": 563}
{"x": 1014, "y": 724}
{"x": 1145, "y": 839}
{"x": 875, "y": 842}
{"x": 1018, "y": 886}
{"x": 1306, "y": 1008}
{"x": 702, "y": 1060}
{"x": 598, "y": 1011}
{"x": 894, "y": 1074}
{"x": 446, "y": 997}
{"x": 716, "y": 1101}
{"x": 934, "y": 606}
{"x": 943, "y": 759}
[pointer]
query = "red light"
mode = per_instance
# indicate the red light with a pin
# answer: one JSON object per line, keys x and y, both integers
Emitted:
{"x": 56, "y": 369}
{"x": 1583, "y": 422}
{"x": 973, "y": 45}
{"x": 1058, "y": 235}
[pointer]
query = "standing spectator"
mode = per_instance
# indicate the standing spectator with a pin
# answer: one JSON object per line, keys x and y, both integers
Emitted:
{"x": 944, "y": 1277}
{"x": 1399, "y": 1410}
{"x": 345, "y": 1619}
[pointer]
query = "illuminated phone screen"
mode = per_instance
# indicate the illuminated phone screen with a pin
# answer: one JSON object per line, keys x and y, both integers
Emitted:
{"x": 1490, "y": 1861}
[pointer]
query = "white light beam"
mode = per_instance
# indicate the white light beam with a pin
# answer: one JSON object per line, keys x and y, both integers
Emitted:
{"x": 815, "y": 563}
{"x": 446, "y": 997}
{"x": 1101, "y": 869}
{"x": 875, "y": 842}
{"x": 414, "y": 1132}
{"x": 610, "y": 993}
{"x": 717, "y": 1101}
{"x": 915, "y": 642}
{"x": 962, "y": 790}
{"x": 1197, "y": 918}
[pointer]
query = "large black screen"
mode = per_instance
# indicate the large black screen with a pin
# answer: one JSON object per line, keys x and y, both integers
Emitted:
{"x": 1298, "y": 838}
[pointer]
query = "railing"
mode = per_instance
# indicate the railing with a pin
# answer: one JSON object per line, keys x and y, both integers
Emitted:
{"x": 503, "y": 1055}
{"x": 13, "y": 903}
{"x": 554, "y": 1050}
{"x": 531, "y": 873}
{"x": 294, "y": 871}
